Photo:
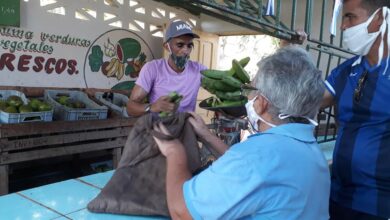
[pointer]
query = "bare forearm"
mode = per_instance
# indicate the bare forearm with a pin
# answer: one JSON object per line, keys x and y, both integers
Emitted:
{"x": 135, "y": 105}
{"x": 327, "y": 100}
{"x": 177, "y": 174}
{"x": 135, "y": 108}
{"x": 202, "y": 131}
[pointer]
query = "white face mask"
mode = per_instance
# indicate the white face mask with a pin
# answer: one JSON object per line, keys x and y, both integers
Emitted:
{"x": 253, "y": 117}
{"x": 357, "y": 38}
{"x": 284, "y": 116}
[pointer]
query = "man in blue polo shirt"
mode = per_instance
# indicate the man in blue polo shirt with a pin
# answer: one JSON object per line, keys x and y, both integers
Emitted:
{"x": 360, "y": 88}
{"x": 277, "y": 173}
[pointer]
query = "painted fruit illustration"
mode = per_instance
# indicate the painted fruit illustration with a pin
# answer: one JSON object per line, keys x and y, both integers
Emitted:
{"x": 117, "y": 58}
{"x": 126, "y": 50}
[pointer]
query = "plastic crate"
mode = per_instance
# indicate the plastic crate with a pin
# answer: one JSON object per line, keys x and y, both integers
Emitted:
{"x": 114, "y": 101}
{"x": 9, "y": 118}
{"x": 91, "y": 111}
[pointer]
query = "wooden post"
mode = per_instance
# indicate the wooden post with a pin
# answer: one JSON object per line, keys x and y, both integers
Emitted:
{"x": 116, "y": 156}
{"x": 4, "y": 179}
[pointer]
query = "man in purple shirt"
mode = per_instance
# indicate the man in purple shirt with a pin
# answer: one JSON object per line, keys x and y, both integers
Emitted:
{"x": 161, "y": 76}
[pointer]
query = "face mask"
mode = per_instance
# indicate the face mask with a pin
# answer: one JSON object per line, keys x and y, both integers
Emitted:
{"x": 180, "y": 61}
{"x": 385, "y": 26}
{"x": 284, "y": 116}
{"x": 253, "y": 117}
{"x": 357, "y": 38}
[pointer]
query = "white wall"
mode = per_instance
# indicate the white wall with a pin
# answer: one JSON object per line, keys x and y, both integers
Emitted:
{"x": 93, "y": 23}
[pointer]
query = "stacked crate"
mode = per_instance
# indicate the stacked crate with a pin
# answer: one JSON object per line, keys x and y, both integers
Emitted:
{"x": 15, "y": 117}
{"x": 115, "y": 101}
{"x": 91, "y": 110}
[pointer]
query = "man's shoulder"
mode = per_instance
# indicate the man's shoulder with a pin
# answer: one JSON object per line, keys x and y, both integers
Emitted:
{"x": 196, "y": 65}
{"x": 291, "y": 133}
{"x": 347, "y": 64}
{"x": 261, "y": 142}
{"x": 156, "y": 62}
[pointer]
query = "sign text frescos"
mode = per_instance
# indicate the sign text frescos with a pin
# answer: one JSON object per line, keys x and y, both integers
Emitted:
{"x": 24, "y": 51}
{"x": 46, "y": 59}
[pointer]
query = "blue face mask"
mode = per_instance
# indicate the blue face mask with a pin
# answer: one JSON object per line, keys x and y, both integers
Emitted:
{"x": 180, "y": 61}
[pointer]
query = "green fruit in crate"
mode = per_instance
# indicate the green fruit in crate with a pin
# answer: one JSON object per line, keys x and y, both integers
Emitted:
{"x": 34, "y": 104}
{"x": 25, "y": 109}
{"x": 78, "y": 104}
{"x": 63, "y": 100}
{"x": 15, "y": 101}
{"x": 69, "y": 104}
{"x": 44, "y": 107}
{"x": 11, "y": 109}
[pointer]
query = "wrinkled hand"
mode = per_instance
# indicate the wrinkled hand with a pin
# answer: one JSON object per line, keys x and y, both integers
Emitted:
{"x": 300, "y": 36}
{"x": 166, "y": 147}
{"x": 163, "y": 105}
{"x": 199, "y": 125}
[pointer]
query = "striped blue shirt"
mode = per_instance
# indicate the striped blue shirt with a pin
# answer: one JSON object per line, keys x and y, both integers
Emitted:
{"x": 361, "y": 159}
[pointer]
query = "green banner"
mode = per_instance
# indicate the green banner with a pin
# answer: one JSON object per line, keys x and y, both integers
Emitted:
{"x": 10, "y": 13}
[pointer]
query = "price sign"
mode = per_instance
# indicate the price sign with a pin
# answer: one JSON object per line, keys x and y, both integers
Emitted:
{"x": 10, "y": 13}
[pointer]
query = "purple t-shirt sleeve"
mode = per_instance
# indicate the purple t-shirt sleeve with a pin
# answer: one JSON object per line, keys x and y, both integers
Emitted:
{"x": 146, "y": 77}
{"x": 202, "y": 67}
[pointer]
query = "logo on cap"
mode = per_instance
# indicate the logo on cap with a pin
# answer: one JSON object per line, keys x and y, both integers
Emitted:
{"x": 183, "y": 26}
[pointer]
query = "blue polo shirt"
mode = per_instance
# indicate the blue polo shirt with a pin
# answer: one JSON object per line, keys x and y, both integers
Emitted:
{"x": 361, "y": 159}
{"x": 277, "y": 174}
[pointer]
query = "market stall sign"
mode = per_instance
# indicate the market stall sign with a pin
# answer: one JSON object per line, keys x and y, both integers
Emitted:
{"x": 10, "y": 13}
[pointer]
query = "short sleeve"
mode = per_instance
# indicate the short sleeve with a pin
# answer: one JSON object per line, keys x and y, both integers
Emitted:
{"x": 146, "y": 77}
{"x": 339, "y": 75}
{"x": 201, "y": 68}
{"x": 330, "y": 82}
{"x": 212, "y": 194}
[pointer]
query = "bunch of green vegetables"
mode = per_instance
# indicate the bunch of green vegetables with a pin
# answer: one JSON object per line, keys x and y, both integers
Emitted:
{"x": 226, "y": 85}
{"x": 175, "y": 98}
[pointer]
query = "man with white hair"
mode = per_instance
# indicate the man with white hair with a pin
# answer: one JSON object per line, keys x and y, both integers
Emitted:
{"x": 360, "y": 89}
{"x": 277, "y": 173}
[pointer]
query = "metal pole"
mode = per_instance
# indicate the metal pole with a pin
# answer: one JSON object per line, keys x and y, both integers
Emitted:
{"x": 293, "y": 14}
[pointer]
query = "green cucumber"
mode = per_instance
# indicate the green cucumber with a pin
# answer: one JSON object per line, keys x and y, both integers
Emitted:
{"x": 244, "y": 61}
{"x": 240, "y": 72}
{"x": 216, "y": 85}
{"x": 174, "y": 97}
{"x": 231, "y": 96}
{"x": 214, "y": 74}
{"x": 231, "y": 81}
{"x": 228, "y": 103}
